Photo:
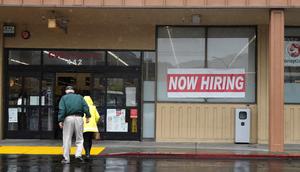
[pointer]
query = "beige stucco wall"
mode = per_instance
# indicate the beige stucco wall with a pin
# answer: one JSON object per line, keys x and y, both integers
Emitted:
{"x": 105, "y": 36}
{"x": 185, "y": 122}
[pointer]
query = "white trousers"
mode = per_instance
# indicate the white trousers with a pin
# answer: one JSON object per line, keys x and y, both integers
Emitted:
{"x": 72, "y": 124}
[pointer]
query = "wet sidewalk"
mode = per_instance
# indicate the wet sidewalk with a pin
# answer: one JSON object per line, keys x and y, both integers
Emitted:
{"x": 196, "y": 150}
{"x": 174, "y": 150}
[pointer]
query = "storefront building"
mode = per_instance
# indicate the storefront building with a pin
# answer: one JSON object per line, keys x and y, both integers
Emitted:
{"x": 141, "y": 62}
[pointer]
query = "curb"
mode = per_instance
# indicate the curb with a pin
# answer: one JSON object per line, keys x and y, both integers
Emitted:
{"x": 202, "y": 155}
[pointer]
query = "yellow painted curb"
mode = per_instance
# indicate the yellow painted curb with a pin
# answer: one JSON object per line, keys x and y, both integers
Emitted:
{"x": 43, "y": 150}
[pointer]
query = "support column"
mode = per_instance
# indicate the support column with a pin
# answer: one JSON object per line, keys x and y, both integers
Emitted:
{"x": 276, "y": 81}
{"x": 1, "y": 83}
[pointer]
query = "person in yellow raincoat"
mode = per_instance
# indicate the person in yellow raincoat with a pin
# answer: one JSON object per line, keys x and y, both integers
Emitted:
{"x": 90, "y": 128}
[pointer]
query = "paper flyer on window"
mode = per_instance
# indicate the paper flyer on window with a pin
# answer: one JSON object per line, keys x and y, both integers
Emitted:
{"x": 116, "y": 120}
{"x": 130, "y": 96}
{"x": 12, "y": 115}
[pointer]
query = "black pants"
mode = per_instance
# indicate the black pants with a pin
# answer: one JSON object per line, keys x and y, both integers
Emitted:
{"x": 88, "y": 141}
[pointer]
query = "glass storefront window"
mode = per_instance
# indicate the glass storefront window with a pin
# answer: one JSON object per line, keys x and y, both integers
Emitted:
{"x": 121, "y": 92}
{"x": 123, "y": 58}
{"x": 115, "y": 92}
{"x": 178, "y": 47}
{"x": 24, "y": 57}
{"x": 98, "y": 94}
{"x": 74, "y": 58}
{"x": 148, "y": 120}
{"x": 149, "y": 75}
{"x": 292, "y": 65}
{"x": 210, "y": 47}
{"x": 149, "y": 63}
{"x": 233, "y": 48}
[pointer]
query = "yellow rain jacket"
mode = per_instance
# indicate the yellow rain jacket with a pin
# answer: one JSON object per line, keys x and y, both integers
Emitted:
{"x": 92, "y": 125}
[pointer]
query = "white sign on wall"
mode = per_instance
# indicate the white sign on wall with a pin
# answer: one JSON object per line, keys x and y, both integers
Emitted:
{"x": 206, "y": 83}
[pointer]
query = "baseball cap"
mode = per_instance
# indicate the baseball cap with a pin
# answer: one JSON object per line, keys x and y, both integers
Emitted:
{"x": 69, "y": 87}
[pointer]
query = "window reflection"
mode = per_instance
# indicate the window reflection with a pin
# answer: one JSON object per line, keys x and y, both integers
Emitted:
{"x": 233, "y": 48}
{"x": 24, "y": 57}
{"x": 122, "y": 92}
{"x": 98, "y": 93}
{"x": 74, "y": 58}
{"x": 15, "y": 90}
{"x": 211, "y": 47}
{"x": 115, "y": 92}
{"x": 47, "y": 90}
{"x": 123, "y": 58}
{"x": 178, "y": 47}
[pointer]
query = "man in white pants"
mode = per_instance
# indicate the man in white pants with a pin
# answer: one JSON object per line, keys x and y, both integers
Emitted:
{"x": 72, "y": 108}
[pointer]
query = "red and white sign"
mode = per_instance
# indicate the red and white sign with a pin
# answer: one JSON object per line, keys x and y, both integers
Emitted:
{"x": 133, "y": 113}
{"x": 292, "y": 52}
{"x": 205, "y": 83}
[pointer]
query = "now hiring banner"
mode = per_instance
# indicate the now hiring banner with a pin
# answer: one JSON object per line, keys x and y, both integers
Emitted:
{"x": 206, "y": 83}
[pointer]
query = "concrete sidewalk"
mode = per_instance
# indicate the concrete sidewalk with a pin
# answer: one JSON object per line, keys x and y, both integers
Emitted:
{"x": 175, "y": 150}
{"x": 195, "y": 150}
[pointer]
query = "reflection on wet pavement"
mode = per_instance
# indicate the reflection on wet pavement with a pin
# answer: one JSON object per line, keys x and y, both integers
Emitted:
{"x": 36, "y": 163}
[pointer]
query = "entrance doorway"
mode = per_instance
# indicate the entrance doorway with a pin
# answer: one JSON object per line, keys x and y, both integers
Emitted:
{"x": 116, "y": 97}
{"x": 36, "y": 81}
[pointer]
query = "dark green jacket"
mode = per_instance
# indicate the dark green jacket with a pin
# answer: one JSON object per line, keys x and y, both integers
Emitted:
{"x": 71, "y": 104}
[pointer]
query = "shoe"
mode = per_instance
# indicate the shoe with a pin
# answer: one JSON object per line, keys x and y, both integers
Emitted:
{"x": 79, "y": 160}
{"x": 87, "y": 158}
{"x": 65, "y": 161}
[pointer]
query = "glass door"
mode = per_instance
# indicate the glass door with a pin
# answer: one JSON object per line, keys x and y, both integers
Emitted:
{"x": 30, "y": 106}
{"x": 119, "y": 107}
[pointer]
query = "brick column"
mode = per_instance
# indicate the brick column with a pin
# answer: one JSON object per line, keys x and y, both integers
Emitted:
{"x": 276, "y": 81}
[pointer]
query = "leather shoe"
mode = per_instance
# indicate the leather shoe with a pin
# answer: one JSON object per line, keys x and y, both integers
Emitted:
{"x": 65, "y": 161}
{"x": 79, "y": 160}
